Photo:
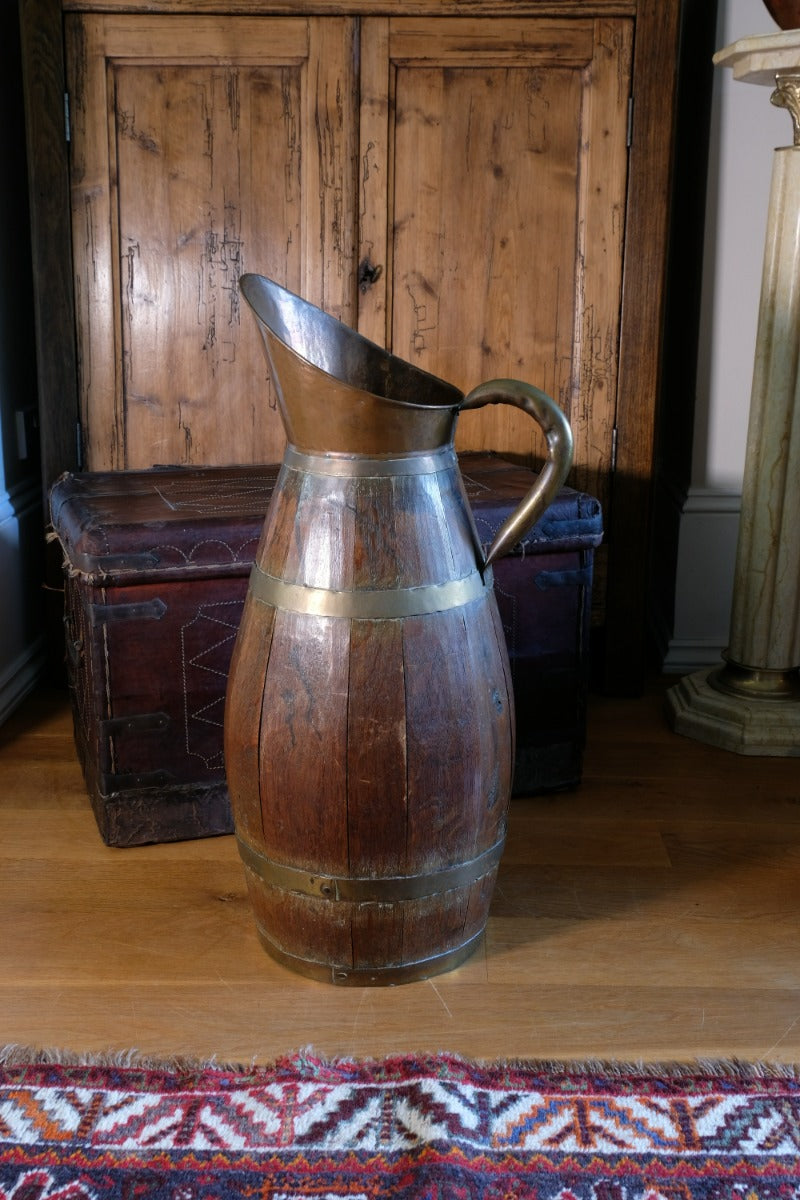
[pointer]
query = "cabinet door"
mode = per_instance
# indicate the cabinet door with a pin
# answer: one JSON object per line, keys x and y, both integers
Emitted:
{"x": 202, "y": 147}
{"x": 493, "y": 175}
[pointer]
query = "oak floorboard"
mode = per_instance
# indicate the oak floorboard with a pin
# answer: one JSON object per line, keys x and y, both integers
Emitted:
{"x": 651, "y": 913}
{"x": 261, "y": 1021}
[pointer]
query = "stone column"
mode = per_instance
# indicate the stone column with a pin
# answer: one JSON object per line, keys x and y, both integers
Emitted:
{"x": 751, "y": 703}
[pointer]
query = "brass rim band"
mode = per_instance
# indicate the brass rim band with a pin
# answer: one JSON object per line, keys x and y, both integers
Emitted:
{"x": 384, "y": 890}
{"x": 421, "y": 968}
{"x": 358, "y": 467}
{"x": 368, "y": 604}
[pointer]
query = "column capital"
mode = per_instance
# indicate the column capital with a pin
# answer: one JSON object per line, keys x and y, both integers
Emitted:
{"x": 761, "y": 59}
{"x": 772, "y": 60}
{"x": 787, "y": 95}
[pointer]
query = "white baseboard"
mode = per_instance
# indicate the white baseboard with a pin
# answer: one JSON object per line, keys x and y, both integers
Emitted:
{"x": 709, "y": 530}
{"x": 20, "y": 500}
{"x": 684, "y": 657}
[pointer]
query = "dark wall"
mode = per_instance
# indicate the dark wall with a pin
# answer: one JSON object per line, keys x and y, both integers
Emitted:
{"x": 17, "y": 343}
{"x": 22, "y": 521}
{"x": 681, "y": 335}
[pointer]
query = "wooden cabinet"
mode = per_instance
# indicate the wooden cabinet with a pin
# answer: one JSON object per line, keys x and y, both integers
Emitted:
{"x": 493, "y": 176}
{"x": 201, "y": 147}
{"x": 487, "y": 198}
{"x": 460, "y": 188}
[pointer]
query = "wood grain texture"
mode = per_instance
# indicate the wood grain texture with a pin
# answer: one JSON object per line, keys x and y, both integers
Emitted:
{"x": 651, "y": 913}
{"x": 202, "y": 148}
{"x": 242, "y": 730}
{"x": 508, "y": 173}
{"x": 484, "y": 146}
{"x": 655, "y": 62}
{"x": 363, "y": 7}
{"x": 303, "y": 740}
{"x": 375, "y": 181}
{"x": 380, "y": 749}
{"x": 377, "y": 741}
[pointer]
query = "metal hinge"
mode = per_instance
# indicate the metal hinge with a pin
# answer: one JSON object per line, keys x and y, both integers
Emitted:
{"x": 629, "y": 136}
{"x": 614, "y": 448}
{"x": 67, "y": 122}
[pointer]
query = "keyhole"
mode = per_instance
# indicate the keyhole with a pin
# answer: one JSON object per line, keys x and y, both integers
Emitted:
{"x": 368, "y": 274}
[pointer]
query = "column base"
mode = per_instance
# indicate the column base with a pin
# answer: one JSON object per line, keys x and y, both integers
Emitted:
{"x": 742, "y": 724}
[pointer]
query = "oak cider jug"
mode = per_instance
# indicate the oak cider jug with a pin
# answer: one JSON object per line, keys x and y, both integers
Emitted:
{"x": 369, "y": 723}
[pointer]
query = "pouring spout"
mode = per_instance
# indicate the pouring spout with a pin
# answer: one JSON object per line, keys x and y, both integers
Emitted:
{"x": 340, "y": 351}
{"x": 338, "y": 392}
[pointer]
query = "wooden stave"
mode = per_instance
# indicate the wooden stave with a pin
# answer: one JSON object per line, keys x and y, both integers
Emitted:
{"x": 370, "y": 828}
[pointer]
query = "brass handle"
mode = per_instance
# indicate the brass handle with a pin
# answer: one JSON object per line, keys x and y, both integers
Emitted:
{"x": 558, "y": 435}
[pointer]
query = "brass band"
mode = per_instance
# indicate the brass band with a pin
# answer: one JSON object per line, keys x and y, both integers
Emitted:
{"x": 756, "y": 683}
{"x": 385, "y": 890}
{"x": 391, "y": 973}
{"x": 360, "y": 467}
{"x": 368, "y": 604}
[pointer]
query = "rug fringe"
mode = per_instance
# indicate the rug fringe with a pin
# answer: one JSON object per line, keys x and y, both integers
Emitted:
{"x": 15, "y": 1054}
{"x": 721, "y": 1068}
{"x": 310, "y": 1062}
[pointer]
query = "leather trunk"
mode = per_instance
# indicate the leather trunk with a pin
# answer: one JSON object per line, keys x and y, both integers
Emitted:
{"x": 156, "y": 568}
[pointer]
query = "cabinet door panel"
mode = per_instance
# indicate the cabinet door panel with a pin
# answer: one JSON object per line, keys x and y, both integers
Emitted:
{"x": 201, "y": 149}
{"x": 500, "y": 163}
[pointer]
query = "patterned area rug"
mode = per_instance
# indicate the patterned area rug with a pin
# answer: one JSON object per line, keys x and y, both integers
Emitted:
{"x": 427, "y": 1128}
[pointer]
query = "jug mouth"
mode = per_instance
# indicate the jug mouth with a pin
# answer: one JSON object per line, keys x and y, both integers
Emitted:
{"x": 342, "y": 352}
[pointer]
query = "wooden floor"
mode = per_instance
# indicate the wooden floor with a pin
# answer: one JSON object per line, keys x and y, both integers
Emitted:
{"x": 653, "y": 913}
